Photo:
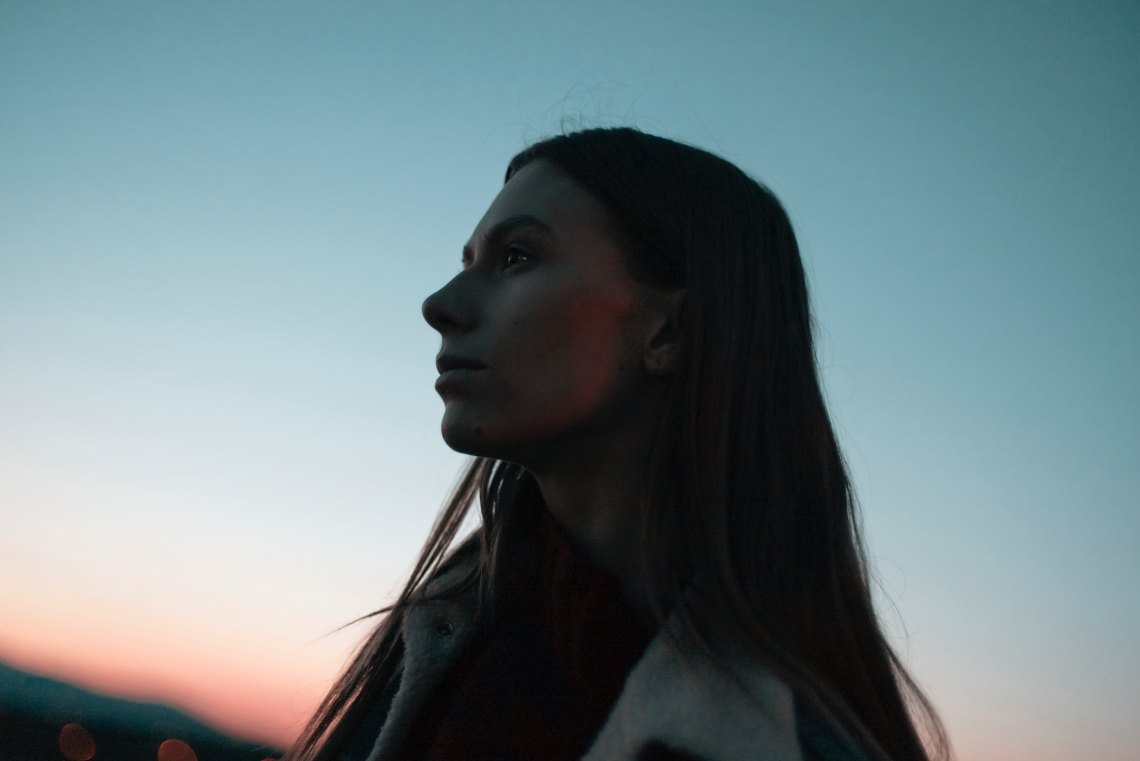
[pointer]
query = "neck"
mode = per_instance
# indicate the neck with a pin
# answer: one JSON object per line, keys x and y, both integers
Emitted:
{"x": 595, "y": 497}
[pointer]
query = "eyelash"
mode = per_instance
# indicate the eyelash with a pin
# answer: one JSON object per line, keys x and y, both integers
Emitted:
{"x": 507, "y": 254}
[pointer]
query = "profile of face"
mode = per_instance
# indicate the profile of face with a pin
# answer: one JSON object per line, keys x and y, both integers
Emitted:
{"x": 547, "y": 342}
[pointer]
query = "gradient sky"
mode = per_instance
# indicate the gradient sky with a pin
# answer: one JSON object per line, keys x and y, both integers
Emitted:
{"x": 218, "y": 432}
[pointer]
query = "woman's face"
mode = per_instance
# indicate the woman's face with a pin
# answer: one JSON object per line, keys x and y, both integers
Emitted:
{"x": 545, "y": 308}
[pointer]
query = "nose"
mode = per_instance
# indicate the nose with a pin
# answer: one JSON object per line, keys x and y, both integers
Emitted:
{"x": 447, "y": 310}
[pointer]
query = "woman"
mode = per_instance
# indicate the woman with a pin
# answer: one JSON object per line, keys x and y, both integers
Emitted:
{"x": 668, "y": 565}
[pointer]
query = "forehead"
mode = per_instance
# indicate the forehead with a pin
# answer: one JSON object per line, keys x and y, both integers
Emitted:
{"x": 541, "y": 191}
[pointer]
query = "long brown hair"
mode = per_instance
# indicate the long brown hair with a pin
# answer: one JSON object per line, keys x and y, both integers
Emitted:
{"x": 748, "y": 491}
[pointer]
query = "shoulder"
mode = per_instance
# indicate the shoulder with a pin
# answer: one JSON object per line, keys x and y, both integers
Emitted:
{"x": 684, "y": 708}
{"x": 458, "y": 563}
{"x": 818, "y": 741}
{"x": 821, "y": 739}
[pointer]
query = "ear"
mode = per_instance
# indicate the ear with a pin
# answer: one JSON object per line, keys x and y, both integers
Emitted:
{"x": 661, "y": 354}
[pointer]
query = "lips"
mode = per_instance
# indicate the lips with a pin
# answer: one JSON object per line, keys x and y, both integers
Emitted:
{"x": 455, "y": 373}
{"x": 446, "y": 362}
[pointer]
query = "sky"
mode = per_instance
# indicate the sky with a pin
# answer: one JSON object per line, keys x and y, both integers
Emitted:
{"x": 218, "y": 433}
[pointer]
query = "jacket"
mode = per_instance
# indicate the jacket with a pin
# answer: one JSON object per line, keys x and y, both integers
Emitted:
{"x": 670, "y": 709}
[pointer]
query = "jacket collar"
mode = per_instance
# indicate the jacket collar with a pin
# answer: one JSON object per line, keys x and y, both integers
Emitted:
{"x": 683, "y": 702}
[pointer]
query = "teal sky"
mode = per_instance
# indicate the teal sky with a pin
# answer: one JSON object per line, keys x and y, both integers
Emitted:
{"x": 218, "y": 432}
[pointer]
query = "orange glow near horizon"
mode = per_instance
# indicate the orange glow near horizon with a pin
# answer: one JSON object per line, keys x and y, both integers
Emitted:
{"x": 269, "y": 710}
{"x": 234, "y": 662}
{"x": 262, "y": 699}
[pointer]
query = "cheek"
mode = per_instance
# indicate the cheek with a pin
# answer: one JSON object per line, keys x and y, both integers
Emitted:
{"x": 570, "y": 358}
{"x": 563, "y": 364}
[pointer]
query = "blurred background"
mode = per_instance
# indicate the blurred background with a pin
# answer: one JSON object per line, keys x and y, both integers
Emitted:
{"x": 218, "y": 433}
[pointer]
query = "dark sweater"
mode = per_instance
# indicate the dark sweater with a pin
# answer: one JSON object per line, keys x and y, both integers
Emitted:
{"x": 540, "y": 680}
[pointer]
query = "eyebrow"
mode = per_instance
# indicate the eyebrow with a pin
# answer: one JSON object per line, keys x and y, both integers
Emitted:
{"x": 505, "y": 227}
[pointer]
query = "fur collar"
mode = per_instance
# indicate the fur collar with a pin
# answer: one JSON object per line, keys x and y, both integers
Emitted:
{"x": 686, "y": 704}
{"x": 683, "y": 704}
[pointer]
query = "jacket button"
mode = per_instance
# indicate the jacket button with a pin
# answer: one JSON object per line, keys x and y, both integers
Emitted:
{"x": 444, "y": 629}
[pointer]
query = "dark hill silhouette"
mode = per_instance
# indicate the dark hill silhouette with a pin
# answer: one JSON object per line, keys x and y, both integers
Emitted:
{"x": 34, "y": 710}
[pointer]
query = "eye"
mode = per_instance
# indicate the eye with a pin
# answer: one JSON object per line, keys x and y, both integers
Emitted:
{"x": 514, "y": 256}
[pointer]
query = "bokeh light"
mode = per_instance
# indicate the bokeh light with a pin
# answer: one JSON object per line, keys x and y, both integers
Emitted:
{"x": 176, "y": 750}
{"x": 76, "y": 743}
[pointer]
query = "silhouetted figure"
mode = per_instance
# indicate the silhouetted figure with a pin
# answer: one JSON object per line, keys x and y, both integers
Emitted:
{"x": 669, "y": 564}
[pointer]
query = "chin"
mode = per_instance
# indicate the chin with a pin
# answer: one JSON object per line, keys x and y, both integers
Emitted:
{"x": 468, "y": 435}
{"x": 465, "y": 443}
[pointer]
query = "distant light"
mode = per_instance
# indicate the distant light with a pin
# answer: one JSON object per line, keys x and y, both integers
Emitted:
{"x": 176, "y": 750}
{"x": 76, "y": 743}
